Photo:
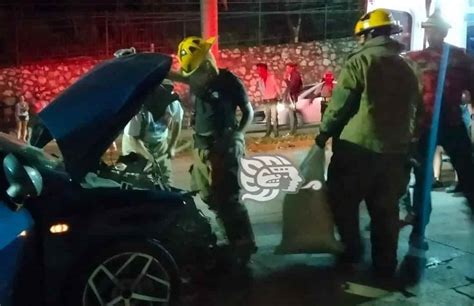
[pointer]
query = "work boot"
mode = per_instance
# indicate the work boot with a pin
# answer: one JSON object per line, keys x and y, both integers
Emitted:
{"x": 239, "y": 233}
{"x": 419, "y": 243}
{"x": 470, "y": 202}
{"x": 413, "y": 265}
{"x": 412, "y": 269}
{"x": 437, "y": 184}
{"x": 455, "y": 188}
{"x": 347, "y": 268}
{"x": 391, "y": 284}
{"x": 348, "y": 262}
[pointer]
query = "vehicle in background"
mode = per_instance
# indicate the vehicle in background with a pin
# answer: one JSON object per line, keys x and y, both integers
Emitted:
{"x": 308, "y": 109}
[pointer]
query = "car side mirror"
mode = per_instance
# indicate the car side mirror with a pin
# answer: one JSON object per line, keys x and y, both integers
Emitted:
{"x": 24, "y": 181}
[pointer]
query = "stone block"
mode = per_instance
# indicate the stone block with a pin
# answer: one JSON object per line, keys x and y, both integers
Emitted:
{"x": 8, "y": 93}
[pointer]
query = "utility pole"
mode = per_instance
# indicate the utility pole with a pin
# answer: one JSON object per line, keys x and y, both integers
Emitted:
{"x": 210, "y": 24}
{"x": 325, "y": 21}
{"x": 17, "y": 39}
{"x": 259, "y": 37}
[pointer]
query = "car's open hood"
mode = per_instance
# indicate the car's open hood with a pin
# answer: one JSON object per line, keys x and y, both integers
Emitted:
{"x": 90, "y": 114}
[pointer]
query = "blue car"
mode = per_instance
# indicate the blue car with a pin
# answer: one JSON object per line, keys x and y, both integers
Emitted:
{"x": 69, "y": 237}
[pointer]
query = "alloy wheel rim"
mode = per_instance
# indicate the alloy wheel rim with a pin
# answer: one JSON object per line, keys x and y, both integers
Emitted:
{"x": 128, "y": 279}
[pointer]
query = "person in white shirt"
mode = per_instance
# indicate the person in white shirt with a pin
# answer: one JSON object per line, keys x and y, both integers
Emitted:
{"x": 22, "y": 116}
{"x": 154, "y": 135}
{"x": 270, "y": 94}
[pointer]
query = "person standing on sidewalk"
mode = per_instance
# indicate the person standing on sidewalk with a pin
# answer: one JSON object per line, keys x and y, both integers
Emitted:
{"x": 270, "y": 94}
{"x": 22, "y": 116}
{"x": 294, "y": 84}
{"x": 372, "y": 123}
{"x": 218, "y": 140}
{"x": 326, "y": 91}
{"x": 452, "y": 134}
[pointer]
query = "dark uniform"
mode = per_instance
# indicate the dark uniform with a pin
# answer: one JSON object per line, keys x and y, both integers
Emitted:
{"x": 218, "y": 149}
{"x": 372, "y": 121}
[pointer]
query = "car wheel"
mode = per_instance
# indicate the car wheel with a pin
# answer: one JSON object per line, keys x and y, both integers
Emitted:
{"x": 131, "y": 274}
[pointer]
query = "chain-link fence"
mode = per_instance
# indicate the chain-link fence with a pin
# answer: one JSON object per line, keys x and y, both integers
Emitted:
{"x": 30, "y": 39}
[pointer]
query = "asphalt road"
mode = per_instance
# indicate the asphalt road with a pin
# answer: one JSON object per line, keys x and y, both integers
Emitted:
{"x": 309, "y": 280}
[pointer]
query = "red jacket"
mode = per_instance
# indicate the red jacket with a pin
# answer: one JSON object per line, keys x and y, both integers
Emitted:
{"x": 459, "y": 77}
{"x": 328, "y": 86}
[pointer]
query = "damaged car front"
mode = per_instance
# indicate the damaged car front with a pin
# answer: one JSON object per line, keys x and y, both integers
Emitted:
{"x": 92, "y": 242}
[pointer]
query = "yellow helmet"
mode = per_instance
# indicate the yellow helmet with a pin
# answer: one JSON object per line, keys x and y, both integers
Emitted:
{"x": 192, "y": 51}
{"x": 358, "y": 27}
{"x": 376, "y": 19}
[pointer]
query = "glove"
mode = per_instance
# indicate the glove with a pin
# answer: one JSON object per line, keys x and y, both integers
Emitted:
{"x": 321, "y": 140}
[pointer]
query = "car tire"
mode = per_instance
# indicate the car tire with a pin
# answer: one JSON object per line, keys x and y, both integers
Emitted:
{"x": 127, "y": 273}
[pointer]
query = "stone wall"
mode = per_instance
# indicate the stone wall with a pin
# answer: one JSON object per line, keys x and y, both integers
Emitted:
{"x": 41, "y": 82}
{"x": 313, "y": 58}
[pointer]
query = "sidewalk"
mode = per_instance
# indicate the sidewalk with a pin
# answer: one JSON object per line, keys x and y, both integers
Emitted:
{"x": 310, "y": 280}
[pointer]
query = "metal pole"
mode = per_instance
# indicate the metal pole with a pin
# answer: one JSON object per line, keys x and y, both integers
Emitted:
{"x": 185, "y": 8}
{"x": 17, "y": 41}
{"x": 259, "y": 22}
{"x": 432, "y": 140}
{"x": 209, "y": 23}
{"x": 184, "y": 26}
{"x": 325, "y": 21}
{"x": 107, "y": 34}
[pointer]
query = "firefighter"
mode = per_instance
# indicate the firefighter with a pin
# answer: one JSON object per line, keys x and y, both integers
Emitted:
{"x": 372, "y": 124}
{"x": 452, "y": 134}
{"x": 218, "y": 139}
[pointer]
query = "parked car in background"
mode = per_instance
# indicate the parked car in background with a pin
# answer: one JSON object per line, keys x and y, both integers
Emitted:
{"x": 308, "y": 109}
